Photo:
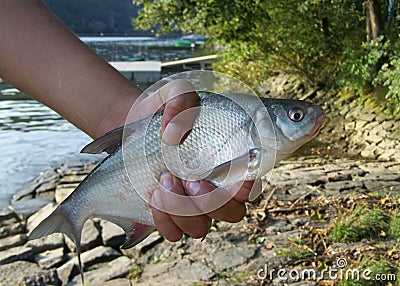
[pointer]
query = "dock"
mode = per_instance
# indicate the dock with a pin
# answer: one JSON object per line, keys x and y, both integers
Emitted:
{"x": 145, "y": 72}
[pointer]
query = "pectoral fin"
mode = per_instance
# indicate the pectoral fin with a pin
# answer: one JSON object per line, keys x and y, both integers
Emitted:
{"x": 135, "y": 232}
{"x": 241, "y": 168}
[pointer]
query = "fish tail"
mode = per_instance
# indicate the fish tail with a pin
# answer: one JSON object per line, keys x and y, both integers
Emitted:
{"x": 57, "y": 222}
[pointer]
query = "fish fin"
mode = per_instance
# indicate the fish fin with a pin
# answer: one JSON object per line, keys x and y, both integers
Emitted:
{"x": 57, "y": 222}
{"x": 235, "y": 168}
{"x": 110, "y": 141}
{"x": 137, "y": 234}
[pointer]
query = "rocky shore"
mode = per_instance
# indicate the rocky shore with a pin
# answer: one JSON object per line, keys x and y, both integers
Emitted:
{"x": 231, "y": 254}
{"x": 355, "y": 162}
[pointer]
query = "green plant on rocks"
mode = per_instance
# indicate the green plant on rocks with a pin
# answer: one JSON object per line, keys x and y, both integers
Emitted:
{"x": 361, "y": 223}
{"x": 369, "y": 271}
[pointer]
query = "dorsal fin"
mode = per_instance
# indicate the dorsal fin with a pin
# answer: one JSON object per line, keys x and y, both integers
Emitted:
{"x": 110, "y": 141}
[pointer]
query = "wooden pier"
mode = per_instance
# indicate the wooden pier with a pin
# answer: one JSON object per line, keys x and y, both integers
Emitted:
{"x": 144, "y": 72}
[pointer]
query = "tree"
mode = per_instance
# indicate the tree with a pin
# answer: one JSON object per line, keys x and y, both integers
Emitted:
{"x": 325, "y": 41}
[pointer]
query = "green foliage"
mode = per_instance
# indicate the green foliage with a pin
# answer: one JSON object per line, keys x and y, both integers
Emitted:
{"x": 322, "y": 40}
{"x": 372, "y": 268}
{"x": 360, "y": 223}
{"x": 394, "y": 226}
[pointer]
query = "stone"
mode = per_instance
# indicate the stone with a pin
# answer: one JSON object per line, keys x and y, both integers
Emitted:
{"x": 46, "y": 187}
{"x": 15, "y": 253}
{"x": 34, "y": 220}
{"x": 114, "y": 282}
{"x": 12, "y": 228}
{"x": 116, "y": 268}
{"x": 62, "y": 192}
{"x": 90, "y": 237}
{"x": 6, "y": 213}
{"x": 366, "y": 116}
{"x": 343, "y": 185}
{"x": 150, "y": 241}
{"x": 25, "y": 208}
{"x": 111, "y": 234}
{"x": 192, "y": 271}
{"x": 26, "y": 273}
{"x": 50, "y": 258}
{"x": 72, "y": 179}
{"x": 232, "y": 257}
{"x": 387, "y": 154}
{"x": 49, "y": 242}
{"x": 97, "y": 255}
{"x": 12, "y": 241}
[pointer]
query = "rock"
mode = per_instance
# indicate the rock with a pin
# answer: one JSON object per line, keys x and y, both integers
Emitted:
{"x": 192, "y": 271}
{"x": 343, "y": 185}
{"x": 27, "y": 191}
{"x": 387, "y": 154}
{"x": 6, "y": 213}
{"x": 116, "y": 268}
{"x": 114, "y": 282}
{"x": 50, "y": 258}
{"x": 40, "y": 215}
{"x": 90, "y": 237}
{"x": 48, "y": 186}
{"x": 63, "y": 191}
{"x": 26, "y": 273}
{"x": 67, "y": 271}
{"x": 12, "y": 241}
{"x": 111, "y": 234}
{"x": 232, "y": 257}
{"x": 97, "y": 255}
{"x": 12, "y": 228}
{"x": 15, "y": 253}
{"x": 25, "y": 208}
{"x": 53, "y": 241}
{"x": 72, "y": 179}
{"x": 153, "y": 239}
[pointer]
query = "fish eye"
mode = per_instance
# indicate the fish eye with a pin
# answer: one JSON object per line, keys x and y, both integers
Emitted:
{"x": 296, "y": 114}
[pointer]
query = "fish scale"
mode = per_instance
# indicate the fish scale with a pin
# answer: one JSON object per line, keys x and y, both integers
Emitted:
{"x": 228, "y": 129}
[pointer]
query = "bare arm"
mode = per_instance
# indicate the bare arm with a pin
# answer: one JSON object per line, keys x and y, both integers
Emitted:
{"x": 41, "y": 57}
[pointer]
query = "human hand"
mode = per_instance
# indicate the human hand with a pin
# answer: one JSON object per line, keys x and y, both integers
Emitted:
{"x": 176, "y": 97}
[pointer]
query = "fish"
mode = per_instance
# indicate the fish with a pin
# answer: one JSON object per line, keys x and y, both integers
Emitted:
{"x": 234, "y": 137}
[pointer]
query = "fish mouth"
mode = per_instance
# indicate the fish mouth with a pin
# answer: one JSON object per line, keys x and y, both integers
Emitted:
{"x": 318, "y": 123}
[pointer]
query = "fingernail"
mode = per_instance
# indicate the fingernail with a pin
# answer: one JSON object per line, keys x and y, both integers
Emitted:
{"x": 166, "y": 181}
{"x": 172, "y": 134}
{"x": 193, "y": 187}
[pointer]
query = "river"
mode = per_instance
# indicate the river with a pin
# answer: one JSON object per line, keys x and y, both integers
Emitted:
{"x": 34, "y": 138}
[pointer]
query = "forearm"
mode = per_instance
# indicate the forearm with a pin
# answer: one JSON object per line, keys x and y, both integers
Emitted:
{"x": 42, "y": 58}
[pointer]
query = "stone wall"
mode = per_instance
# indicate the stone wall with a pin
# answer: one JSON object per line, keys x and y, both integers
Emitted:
{"x": 350, "y": 129}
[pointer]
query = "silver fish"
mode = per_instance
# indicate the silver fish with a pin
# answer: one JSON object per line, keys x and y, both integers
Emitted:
{"x": 229, "y": 130}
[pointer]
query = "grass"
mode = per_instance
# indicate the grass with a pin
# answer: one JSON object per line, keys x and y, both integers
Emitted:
{"x": 361, "y": 223}
{"x": 370, "y": 271}
{"x": 394, "y": 224}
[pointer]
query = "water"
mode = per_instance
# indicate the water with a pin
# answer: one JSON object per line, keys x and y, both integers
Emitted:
{"x": 34, "y": 138}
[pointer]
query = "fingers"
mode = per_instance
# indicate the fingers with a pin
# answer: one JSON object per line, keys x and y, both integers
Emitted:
{"x": 233, "y": 211}
{"x": 171, "y": 226}
{"x": 179, "y": 97}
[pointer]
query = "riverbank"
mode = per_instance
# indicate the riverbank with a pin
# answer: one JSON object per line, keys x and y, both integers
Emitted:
{"x": 335, "y": 209}
{"x": 351, "y": 129}
{"x": 287, "y": 228}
